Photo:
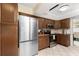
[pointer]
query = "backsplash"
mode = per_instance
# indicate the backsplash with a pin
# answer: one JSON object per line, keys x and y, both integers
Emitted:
{"x": 67, "y": 31}
{"x": 59, "y": 31}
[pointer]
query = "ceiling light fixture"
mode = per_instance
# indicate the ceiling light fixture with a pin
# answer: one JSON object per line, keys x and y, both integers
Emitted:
{"x": 64, "y": 8}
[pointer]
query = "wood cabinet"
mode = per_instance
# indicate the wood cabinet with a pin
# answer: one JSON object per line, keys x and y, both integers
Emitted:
{"x": 40, "y": 23}
{"x": 43, "y": 41}
{"x": 9, "y": 39}
{"x": 65, "y": 23}
{"x": 63, "y": 39}
{"x": 0, "y": 39}
{"x": 50, "y": 21}
{"x": 57, "y": 24}
{"x": 9, "y": 29}
{"x": 0, "y": 13}
{"x": 43, "y": 23}
{"x": 9, "y": 12}
{"x": 62, "y": 24}
{"x": 0, "y": 29}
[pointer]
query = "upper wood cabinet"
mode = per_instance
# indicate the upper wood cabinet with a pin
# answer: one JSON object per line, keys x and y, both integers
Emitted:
{"x": 43, "y": 23}
{"x": 9, "y": 40}
{"x": 57, "y": 24}
{"x": 40, "y": 22}
{"x": 65, "y": 23}
{"x": 50, "y": 21}
{"x": 62, "y": 24}
{"x": 9, "y": 12}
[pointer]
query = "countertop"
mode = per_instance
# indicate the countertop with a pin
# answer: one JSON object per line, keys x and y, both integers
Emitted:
{"x": 43, "y": 34}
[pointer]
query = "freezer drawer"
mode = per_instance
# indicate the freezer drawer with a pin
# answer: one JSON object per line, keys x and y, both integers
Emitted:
{"x": 28, "y": 48}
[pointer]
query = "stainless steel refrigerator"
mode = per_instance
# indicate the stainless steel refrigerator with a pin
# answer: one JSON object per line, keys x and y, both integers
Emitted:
{"x": 28, "y": 41}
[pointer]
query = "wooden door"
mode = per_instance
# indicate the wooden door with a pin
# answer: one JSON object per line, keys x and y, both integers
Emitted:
{"x": 9, "y": 36}
{"x": 0, "y": 39}
{"x": 52, "y": 22}
{"x": 65, "y": 23}
{"x": 0, "y": 12}
{"x": 40, "y": 43}
{"x": 0, "y": 29}
{"x": 57, "y": 24}
{"x": 44, "y": 23}
{"x": 9, "y": 40}
{"x": 46, "y": 40}
{"x": 43, "y": 42}
{"x": 40, "y": 23}
{"x": 63, "y": 39}
{"x": 9, "y": 12}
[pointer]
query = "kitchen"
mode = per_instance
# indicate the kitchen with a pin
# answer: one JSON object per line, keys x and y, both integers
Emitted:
{"x": 56, "y": 32}
{"x": 31, "y": 31}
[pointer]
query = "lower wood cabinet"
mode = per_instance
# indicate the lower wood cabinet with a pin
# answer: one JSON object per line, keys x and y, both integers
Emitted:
{"x": 63, "y": 39}
{"x": 43, "y": 41}
{"x": 9, "y": 40}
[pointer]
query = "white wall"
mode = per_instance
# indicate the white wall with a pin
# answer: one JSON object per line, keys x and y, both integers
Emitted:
{"x": 71, "y": 32}
{"x": 24, "y": 9}
{"x": 73, "y": 27}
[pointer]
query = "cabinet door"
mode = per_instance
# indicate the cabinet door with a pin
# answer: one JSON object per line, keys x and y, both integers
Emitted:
{"x": 0, "y": 39}
{"x": 9, "y": 12}
{"x": 40, "y": 23}
{"x": 9, "y": 40}
{"x": 63, "y": 39}
{"x": 48, "y": 21}
{"x": 46, "y": 40}
{"x": 57, "y": 24}
{"x": 65, "y": 23}
{"x": 58, "y": 38}
{"x": 0, "y": 12}
{"x": 52, "y": 22}
{"x": 44, "y": 23}
{"x": 40, "y": 43}
{"x": 43, "y": 42}
{"x": 0, "y": 29}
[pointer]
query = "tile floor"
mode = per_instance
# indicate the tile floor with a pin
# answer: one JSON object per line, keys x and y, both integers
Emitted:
{"x": 60, "y": 50}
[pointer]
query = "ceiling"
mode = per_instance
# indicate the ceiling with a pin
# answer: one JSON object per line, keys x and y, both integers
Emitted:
{"x": 42, "y": 10}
